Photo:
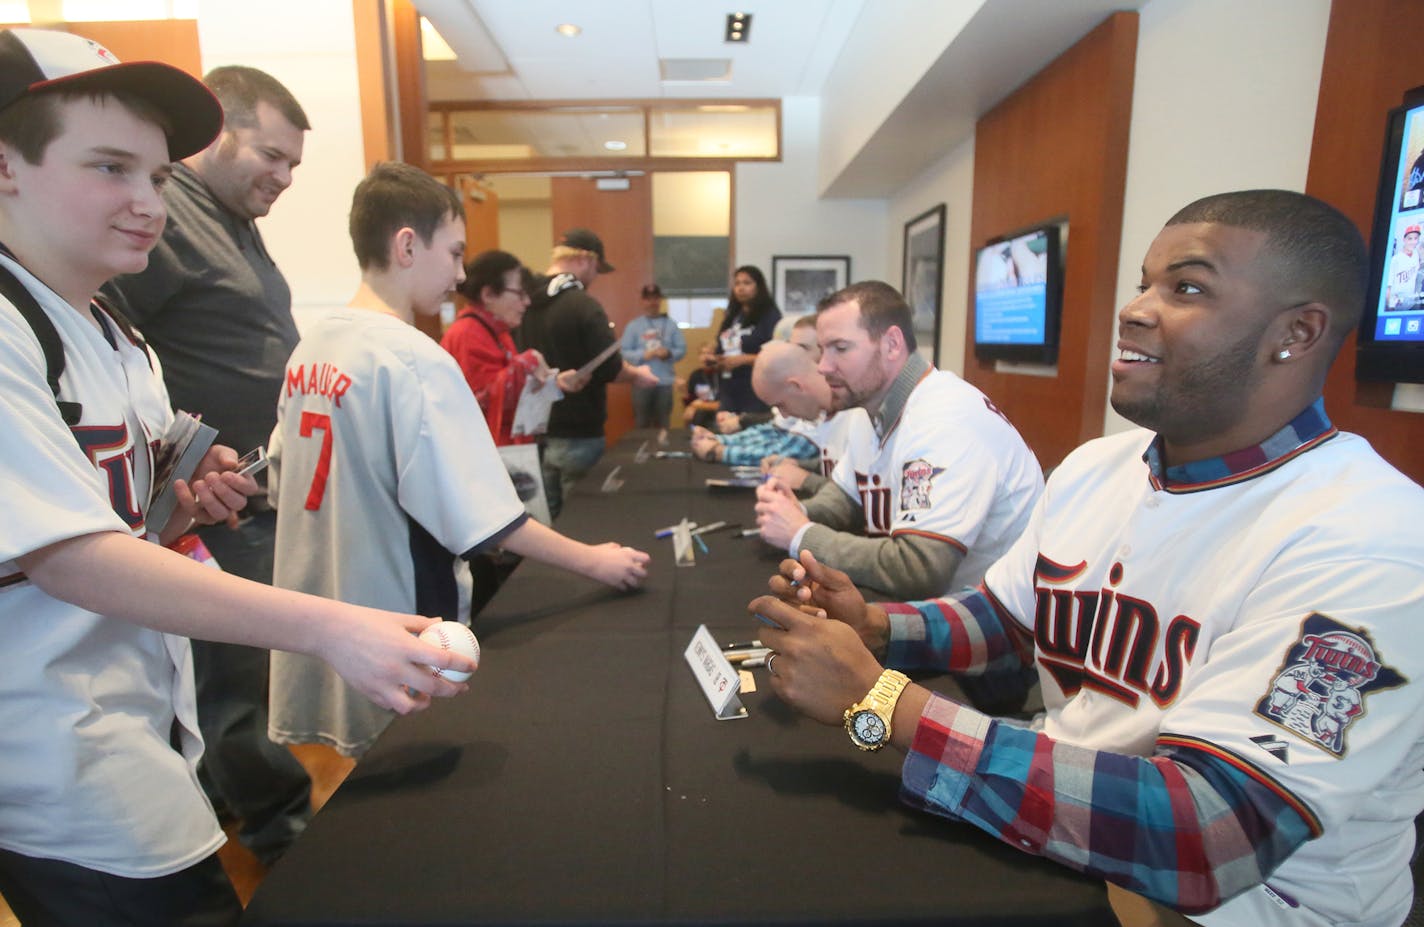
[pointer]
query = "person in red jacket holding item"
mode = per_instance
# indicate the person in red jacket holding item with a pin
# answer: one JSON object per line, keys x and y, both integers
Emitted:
{"x": 497, "y": 294}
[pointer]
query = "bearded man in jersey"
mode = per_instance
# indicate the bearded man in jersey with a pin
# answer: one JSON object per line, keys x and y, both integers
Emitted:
{"x": 1222, "y": 605}
{"x": 938, "y": 492}
{"x": 943, "y": 489}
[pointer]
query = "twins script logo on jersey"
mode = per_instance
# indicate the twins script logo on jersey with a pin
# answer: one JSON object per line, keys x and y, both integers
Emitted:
{"x": 875, "y": 502}
{"x": 1320, "y": 688}
{"x": 916, "y": 481}
{"x": 1107, "y": 640}
{"x": 112, "y": 453}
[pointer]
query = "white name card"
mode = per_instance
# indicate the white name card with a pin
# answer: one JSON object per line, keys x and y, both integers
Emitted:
{"x": 720, "y": 683}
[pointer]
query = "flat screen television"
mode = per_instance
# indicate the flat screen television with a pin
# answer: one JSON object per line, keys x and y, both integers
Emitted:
{"x": 1390, "y": 345}
{"x": 1018, "y": 296}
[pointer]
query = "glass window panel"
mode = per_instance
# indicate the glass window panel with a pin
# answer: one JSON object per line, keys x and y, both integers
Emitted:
{"x": 574, "y": 133}
{"x": 435, "y": 135}
{"x": 714, "y": 131}
{"x": 694, "y": 312}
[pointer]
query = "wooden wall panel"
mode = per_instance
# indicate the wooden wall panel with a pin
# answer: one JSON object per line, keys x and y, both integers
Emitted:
{"x": 1057, "y": 149}
{"x": 172, "y": 41}
{"x": 624, "y": 220}
{"x": 1359, "y": 83}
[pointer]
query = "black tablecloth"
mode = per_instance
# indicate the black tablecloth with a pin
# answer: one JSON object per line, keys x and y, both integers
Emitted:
{"x": 584, "y": 780}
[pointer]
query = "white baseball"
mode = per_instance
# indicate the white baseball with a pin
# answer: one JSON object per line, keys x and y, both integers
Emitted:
{"x": 451, "y": 635}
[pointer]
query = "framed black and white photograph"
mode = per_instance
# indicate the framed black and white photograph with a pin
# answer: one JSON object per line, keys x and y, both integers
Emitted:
{"x": 798, "y": 282}
{"x": 922, "y": 278}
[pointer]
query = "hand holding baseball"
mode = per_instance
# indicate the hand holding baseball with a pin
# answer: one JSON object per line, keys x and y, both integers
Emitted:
{"x": 453, "y": 637}
{"x": 379, "y": 654}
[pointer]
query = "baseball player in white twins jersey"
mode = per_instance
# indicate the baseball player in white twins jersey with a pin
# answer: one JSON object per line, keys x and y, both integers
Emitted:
{"x": 1223, "y": 611}
{"x": 934, "y": 492}
{"x": 952, "y": 468}
{"x": 1290, "y": 660}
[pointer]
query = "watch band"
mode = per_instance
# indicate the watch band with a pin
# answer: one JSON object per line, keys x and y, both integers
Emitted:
{"x": 880, "y": 701}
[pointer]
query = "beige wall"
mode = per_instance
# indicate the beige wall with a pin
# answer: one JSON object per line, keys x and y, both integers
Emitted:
{"x": 692, "y": 203}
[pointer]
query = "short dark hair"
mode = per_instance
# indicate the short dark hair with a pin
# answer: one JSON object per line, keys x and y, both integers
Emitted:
{"x": 239, "y": 89}
{"x": 36, "y": 119}
{"x": 881, "y": 307}
{"x": 392, "y": 197}
{"x": 487, "y": 270}
{"x": 1317, "y": 253}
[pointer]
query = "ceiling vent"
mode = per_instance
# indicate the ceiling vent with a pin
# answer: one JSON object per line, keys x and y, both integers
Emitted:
{"x": 695, "y": 70}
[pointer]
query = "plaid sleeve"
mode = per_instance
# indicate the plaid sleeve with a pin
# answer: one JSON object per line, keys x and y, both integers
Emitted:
{"x": 1186, "y": 827}
{"x": 968, "y": 633}
{"x": 748, "y": 446}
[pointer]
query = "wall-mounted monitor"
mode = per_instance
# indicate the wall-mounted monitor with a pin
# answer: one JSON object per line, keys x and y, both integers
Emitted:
{"x": 1018, "y": 296}
{"x": 1391, "y": 338}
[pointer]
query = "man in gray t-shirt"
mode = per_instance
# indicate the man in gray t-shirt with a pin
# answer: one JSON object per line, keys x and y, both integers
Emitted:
{"x": 214, "y": 306}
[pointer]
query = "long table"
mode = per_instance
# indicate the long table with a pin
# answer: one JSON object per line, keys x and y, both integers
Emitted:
{"x": 584, "y": 780}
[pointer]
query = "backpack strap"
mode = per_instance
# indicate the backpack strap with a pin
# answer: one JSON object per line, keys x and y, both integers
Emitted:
{"x": 48, "y": 337}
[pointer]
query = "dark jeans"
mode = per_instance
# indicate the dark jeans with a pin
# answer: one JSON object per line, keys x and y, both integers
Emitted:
{"x": 49, "y": 893}
{"x": 565, "y": 460}
{"x": 652, "y": 406}
{"x": 243, "y": 771}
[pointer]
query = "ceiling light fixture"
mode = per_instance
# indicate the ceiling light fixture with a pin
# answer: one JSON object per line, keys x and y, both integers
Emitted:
{"x": 739, "y": 27}
{"x": 614, "y": 144}
{"x": 567, "y": 30}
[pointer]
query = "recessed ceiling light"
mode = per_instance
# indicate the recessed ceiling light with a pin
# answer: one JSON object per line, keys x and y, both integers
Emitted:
{"x": 614, "y": 144}
{"x": 568, "y": 30}
{"x": 739, "y": 27}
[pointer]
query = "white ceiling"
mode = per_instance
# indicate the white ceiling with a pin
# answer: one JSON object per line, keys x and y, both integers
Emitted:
{"x": 509, "y": 49}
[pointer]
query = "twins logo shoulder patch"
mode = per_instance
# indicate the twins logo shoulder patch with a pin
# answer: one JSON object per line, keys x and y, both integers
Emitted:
{"x": 916, "y": 481}
{"x": 1320, "y": 687}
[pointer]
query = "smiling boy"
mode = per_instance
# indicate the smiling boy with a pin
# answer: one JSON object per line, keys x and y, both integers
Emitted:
{"x": 102, "y": 820}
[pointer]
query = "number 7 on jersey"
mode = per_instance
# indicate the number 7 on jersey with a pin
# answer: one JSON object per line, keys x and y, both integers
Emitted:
{"x": 316, "y": 421}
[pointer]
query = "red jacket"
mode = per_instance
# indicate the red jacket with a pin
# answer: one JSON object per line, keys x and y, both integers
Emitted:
{"x": 481, "y": 345}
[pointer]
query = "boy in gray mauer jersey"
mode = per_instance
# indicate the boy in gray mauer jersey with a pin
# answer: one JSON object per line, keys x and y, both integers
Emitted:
{"x": 383, "y": 468}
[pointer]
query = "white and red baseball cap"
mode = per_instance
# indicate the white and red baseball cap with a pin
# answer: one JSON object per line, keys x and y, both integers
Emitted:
{"x": 32, "y": 60}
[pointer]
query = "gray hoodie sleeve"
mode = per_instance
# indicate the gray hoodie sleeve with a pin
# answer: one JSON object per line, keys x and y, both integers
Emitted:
{"x": 905, "y": 567}
{"x": 833, "y": 507}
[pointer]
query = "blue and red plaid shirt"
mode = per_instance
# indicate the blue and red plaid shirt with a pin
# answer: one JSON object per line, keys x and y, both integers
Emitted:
{"x": 1183, "y": 826}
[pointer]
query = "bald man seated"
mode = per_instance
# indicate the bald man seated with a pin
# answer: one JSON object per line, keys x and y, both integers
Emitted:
{"x": 801, "y": 432}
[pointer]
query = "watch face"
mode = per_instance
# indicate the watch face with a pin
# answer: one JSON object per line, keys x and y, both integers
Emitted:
{"x": 868, "y": 727}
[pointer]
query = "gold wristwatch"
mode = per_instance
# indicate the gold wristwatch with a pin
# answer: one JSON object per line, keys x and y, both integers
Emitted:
{"x": 868, "y": 720}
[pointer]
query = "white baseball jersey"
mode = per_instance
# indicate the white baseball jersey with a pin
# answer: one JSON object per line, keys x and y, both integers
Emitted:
{"x": 951, "y": 468}
{"x": 1268, "y": 617}
{"x": 1403, "y": 269}
{"x": 837, "y": 431}
{"x": 87, "y": 702}
{"x": 382, "y": 470}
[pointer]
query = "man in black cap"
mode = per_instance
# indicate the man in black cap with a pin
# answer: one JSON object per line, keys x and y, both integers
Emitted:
{"x": 570, "y": 328}
{"x": 653, "y": 338}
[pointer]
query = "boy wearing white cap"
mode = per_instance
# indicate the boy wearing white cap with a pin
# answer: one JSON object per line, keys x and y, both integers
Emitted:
{"x": 101, "y": 817}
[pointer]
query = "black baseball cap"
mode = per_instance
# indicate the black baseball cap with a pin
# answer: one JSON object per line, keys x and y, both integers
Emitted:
{"x": 33, "y": 60}
{"x": 585, "y": 240}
